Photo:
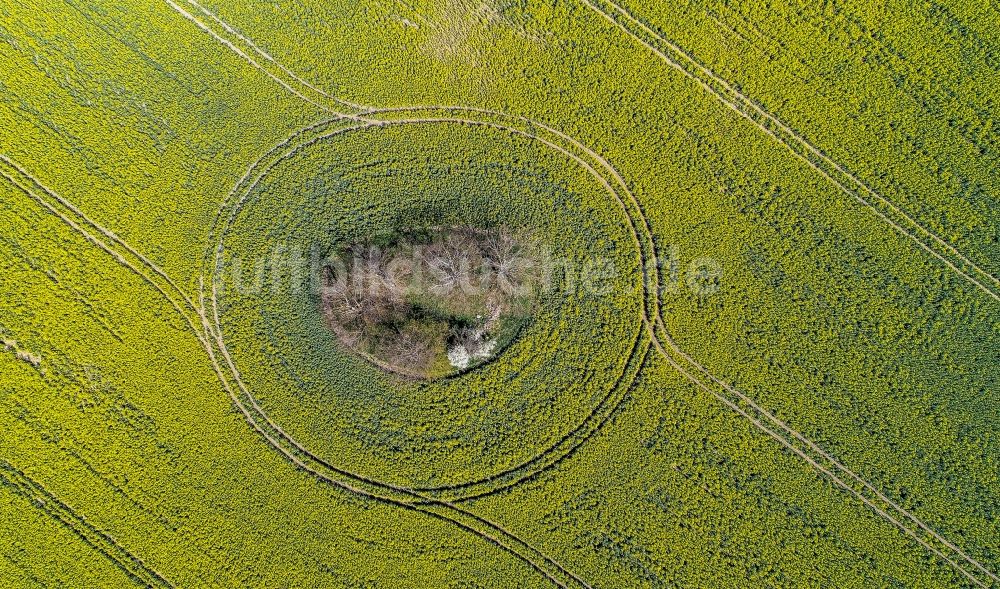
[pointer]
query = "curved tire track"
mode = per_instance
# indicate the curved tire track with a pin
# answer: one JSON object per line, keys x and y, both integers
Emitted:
{"x": 794, "y": 440}
{"x": 588, "y": 425}
{"x": 730, "y": 396}
{"x": 194, "y": 316}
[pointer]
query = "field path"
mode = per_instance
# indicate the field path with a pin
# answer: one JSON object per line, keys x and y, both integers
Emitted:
{"x": 652, "y": 320}
{"x": 764, "y": 420}
{"x": 102, "y": 238}
{"x": 200, "y": 328}
{"x": 589, "y": 423}
{"x": 800, "y": 147}
{"x": 40, "y": 497}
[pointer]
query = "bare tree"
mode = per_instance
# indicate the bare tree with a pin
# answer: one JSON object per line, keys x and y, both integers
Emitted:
{"x": 372, "y": 312}
{"x": 506, "y": 256}
{"x": 372, "y": 273}
{"x": 408, "y": 349}
{"x": 355, "y": 303}
{"x": 452, "y": 260}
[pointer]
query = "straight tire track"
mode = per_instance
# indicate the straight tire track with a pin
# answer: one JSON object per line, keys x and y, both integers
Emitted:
{"x": 464, "y": 519}
{"x": 833, "y": 172}
{"x": 40, "y": 497}
{"x": 656, "y": 327}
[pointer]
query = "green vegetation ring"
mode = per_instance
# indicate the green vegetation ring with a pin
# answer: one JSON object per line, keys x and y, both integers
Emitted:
{"x": 634, "y": 346}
